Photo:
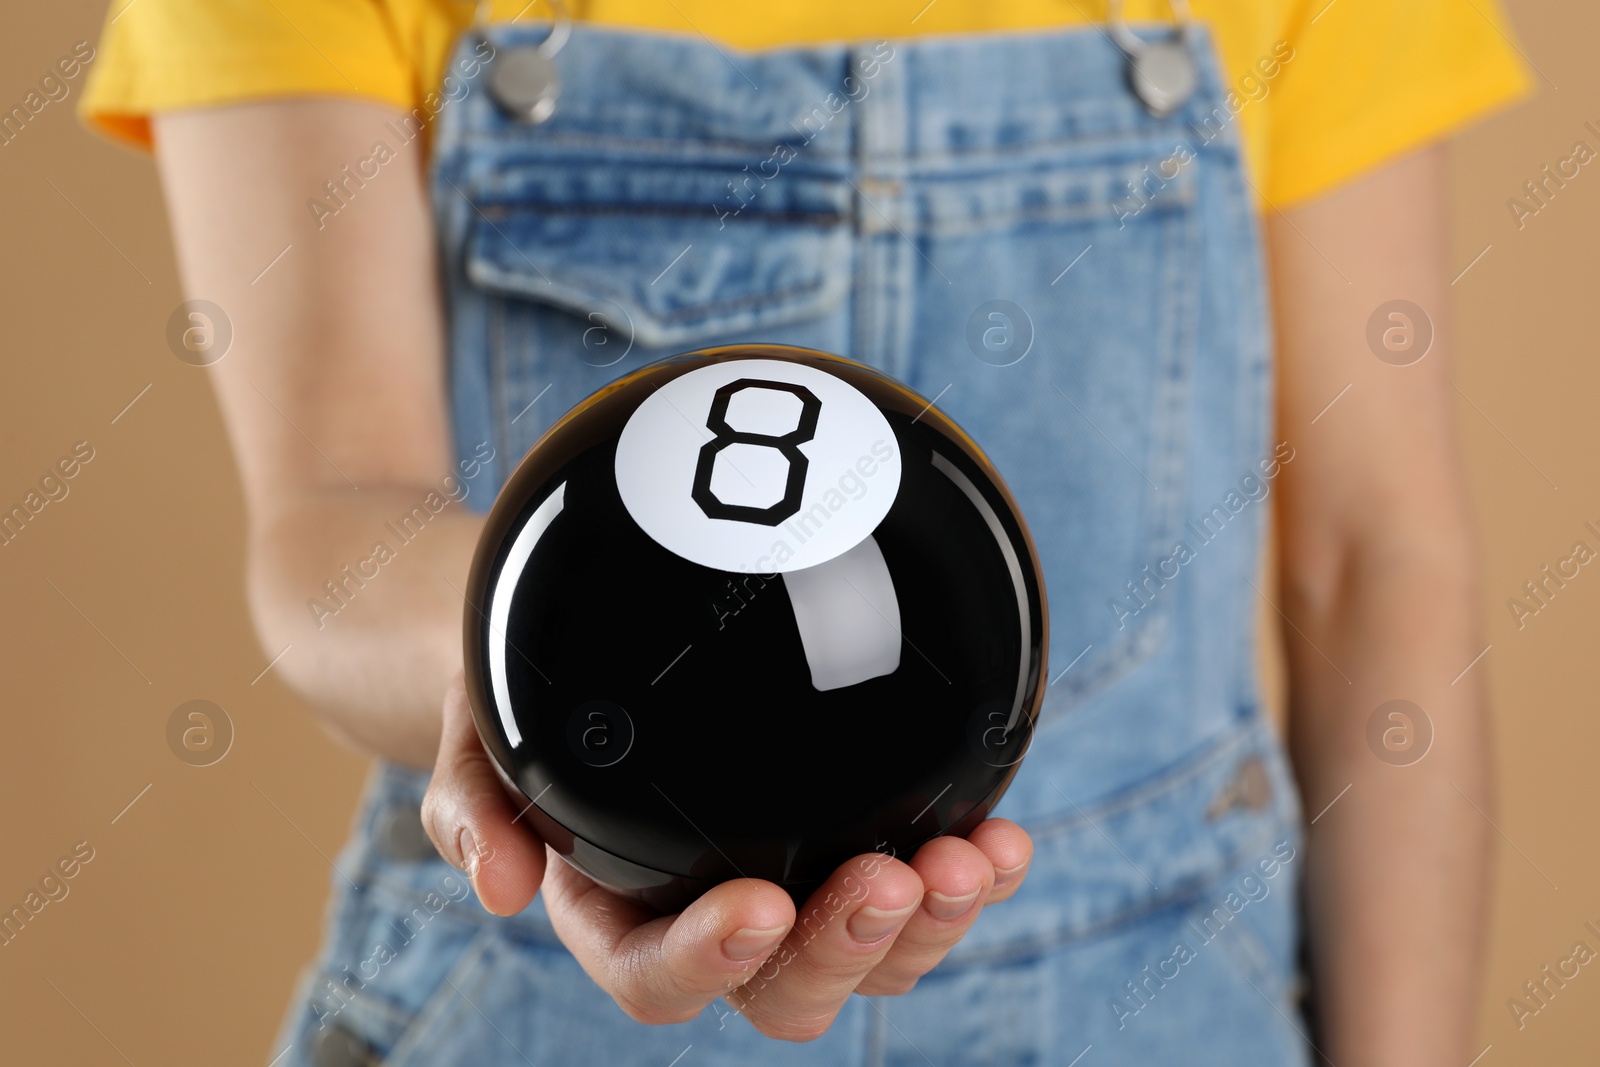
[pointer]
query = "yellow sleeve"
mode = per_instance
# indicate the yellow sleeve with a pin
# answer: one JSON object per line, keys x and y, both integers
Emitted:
{"x": 1373, "y": 79}
{"x": 160, "y": 55}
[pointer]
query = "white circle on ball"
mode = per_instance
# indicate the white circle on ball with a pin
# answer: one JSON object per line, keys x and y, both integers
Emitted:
{"x": 758, "y": 466}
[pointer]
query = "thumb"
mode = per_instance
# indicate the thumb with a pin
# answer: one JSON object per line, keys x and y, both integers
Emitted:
{"x": 471, "y": 818}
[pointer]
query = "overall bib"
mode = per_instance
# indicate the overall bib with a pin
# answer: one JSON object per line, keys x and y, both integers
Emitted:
{"x": 997, "y": 221}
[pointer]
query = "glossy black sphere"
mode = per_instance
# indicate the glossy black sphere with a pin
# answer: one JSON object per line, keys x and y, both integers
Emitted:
{"x": 750, "y": 612}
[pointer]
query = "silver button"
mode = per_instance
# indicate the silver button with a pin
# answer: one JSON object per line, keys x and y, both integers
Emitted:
{"x": 400, "y": 836}
{"x": 1163, "y": 76}
{"x": 524, "y": 82}
{"x": 523, "y": 79}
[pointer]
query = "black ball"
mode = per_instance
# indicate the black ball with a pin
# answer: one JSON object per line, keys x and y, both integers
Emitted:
{"x": 749, "y": 612}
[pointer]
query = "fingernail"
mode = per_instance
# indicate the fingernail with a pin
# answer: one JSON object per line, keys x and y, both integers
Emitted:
{"x": 467, "y": 845}
{"x": 1002, "y": 877}
{"x": 747, "y": 944}
{"x": 945, "y": 908}
{"x": 871, "y": 924}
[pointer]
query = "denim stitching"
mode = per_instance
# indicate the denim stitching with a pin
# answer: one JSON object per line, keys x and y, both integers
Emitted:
{"x": 513, "y": 207}
{"x": 490, "y": 274}
{"x": 1157, "y": 785}
{"x": 1170, "y": 445}
{"x": 1141, "y": 128}
{"x": 1186, "y": 893}
{"x": 497, "y": 313}
{"x": 499, "y": 198}
{"x": 1250, "y": 956}
{"x": 430, "y": 1021}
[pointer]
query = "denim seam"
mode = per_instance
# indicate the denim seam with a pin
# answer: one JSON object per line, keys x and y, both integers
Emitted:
{"x": 1158, "y": 785}
{"x": 399, "y": 893}
{"x": 1150, "y": 633}
{"x": 1092, "y": 211}
{"x": 1250, "y": 957}
{"x": 497, "y": 313}
{"x": 295, "y": 1024}
{"x": 863, "y": 311}
{"x": 357, "y": 908}
{"x": 425, "y": 1025}
{"x": 925, "y": 222}
{"x": 1119, "y": 137}
{"x": 1254, "y": 396}
{"x": 499, "y": 200}
{"x": 349, "y": 915}
{"x": 875, "y": 1042}
{"x": 488, "y": 275}
{"x": 497, "y": 140}
{"x": 372, "y": 1016}
{"x": 513, "y": 137}
{"x": 1185, "y": 894}
{"x": 404, "y": 897}
{"x": 512, "y": 207}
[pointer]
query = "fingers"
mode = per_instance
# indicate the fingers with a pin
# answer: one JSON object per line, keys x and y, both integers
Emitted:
{"x": 666, "y": 969}
{"x": 470, "y": 816}
{"x": 876, "y": 927}
{"x": 960, "y": 878}
{"x": 956, "y": 876}
{"x": 842, "y": 933}
{"x": 877, "y": 924}
{"x": 1009, "y": 850}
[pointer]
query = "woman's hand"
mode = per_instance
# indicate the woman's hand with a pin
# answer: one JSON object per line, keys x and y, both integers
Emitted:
{"x": 875, "y": 927}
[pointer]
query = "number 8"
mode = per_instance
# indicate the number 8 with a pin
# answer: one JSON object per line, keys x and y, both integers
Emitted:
{"x": 787, "y": 444}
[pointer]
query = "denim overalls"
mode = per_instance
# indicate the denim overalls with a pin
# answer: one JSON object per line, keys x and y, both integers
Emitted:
{"x": 997, "y": 221}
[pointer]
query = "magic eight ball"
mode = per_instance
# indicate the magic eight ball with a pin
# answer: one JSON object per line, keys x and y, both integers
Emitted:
{"x": 750, "y": 612}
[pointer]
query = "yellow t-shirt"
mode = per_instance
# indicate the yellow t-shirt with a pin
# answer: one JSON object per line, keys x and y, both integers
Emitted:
{"x": 1364, "y": 81}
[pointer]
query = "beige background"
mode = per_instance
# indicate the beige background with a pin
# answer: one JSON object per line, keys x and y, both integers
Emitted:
{"x": 179, "y": 941}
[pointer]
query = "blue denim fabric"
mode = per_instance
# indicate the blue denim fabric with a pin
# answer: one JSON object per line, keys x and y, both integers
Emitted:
{"x": 866, "y": 201}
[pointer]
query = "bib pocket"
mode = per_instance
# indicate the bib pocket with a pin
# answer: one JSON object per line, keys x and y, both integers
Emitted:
{"x": 582, "y": 269}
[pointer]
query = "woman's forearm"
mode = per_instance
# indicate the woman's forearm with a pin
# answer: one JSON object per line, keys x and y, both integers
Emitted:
{"x": 334, "y": 379}
{"x": 1398, "y": 865}
{"x": 1379, "y": 578}
{"x": 365, "y": 591}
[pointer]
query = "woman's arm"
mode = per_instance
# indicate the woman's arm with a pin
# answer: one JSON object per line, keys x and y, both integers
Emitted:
{"x": 1379, "y": 579}
{"x": 333, "y": 394}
